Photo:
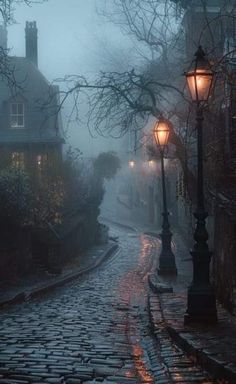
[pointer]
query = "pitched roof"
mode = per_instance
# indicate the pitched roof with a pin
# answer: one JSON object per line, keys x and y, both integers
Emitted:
{"x": 43, "y": 123}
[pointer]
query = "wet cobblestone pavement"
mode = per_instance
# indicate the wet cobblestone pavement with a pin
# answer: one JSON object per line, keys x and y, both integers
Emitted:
{"x": 94, "y": 330}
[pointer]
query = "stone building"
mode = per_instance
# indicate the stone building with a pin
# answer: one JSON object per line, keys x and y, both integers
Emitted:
{"x": 212, "y": 24}
{"x": 30, "y": 140}
{"x": 30, "y": 127}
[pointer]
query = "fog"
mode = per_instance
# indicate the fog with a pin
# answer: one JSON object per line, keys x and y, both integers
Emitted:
{"x": 72, "y": 39}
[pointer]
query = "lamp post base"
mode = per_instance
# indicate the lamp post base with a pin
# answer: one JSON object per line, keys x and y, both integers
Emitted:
{"x": 167, "y": 264}
{"x": 201, "y": 305}
{"x": 167, "y": 270}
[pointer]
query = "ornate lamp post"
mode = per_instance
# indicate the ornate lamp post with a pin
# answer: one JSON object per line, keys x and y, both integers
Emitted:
{"x": 167, "y": 264}
{"x": 201, "y": 305}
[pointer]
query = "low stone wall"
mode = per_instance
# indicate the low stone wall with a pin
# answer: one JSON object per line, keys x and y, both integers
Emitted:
{"x": 15, "y": 253}
{"x": 33, "y": 250}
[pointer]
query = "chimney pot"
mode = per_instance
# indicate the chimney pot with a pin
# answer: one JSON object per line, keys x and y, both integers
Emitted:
{"x": 31, "y": 42}
{"x": 3, "y": 37}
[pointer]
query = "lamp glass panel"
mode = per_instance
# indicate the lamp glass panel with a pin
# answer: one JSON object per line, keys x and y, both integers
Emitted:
{"x": 199, "y": 84}
{"x": 161, "y": 133}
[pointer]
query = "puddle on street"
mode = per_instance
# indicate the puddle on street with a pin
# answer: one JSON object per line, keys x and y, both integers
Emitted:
{"x": 131, "y": 294}
{"x": 140, "y": 366}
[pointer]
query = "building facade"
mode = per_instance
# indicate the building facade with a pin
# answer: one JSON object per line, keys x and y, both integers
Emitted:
{"x": 212, "y": 24}
{"x": 30, "y": 126}
{"x": 31, "y": 141}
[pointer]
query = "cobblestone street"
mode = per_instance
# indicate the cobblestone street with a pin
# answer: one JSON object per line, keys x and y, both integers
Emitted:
{"x": 95, "y": 329}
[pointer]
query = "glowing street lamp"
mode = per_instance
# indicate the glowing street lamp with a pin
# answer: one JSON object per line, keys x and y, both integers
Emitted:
{"x": 200, "y": 78}
{"x": 151, "y": 164}
{"x": 167, "y": 264}
{"x": 201, "y": 305}
{"x": 131, "y": 163}
{"x": 161, "y": 133}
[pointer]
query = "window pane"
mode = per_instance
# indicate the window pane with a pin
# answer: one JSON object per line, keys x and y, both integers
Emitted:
{"x": 41, "y": 161}
{"x": 17, "y": 115}
{"x": 20, "y": 121}
{"x": 18, "y": 160}
{"x": 20, "y": 109}
{"x": 14, "y": 109}
{"x": 13, "y": 121}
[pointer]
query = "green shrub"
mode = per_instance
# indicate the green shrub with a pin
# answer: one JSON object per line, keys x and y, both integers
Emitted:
{"x": 15, "y": 197}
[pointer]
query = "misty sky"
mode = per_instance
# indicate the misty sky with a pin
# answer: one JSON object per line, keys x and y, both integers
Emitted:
{"x": 72, "y": 38}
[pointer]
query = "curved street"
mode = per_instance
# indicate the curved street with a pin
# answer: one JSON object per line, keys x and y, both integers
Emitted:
{"x": 95, "y": 329}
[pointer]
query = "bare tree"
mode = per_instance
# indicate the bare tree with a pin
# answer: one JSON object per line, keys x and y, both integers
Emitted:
{"x": 119, "y": 102}
{"x": 7, "y": 69}
{"x": 152, "y": 24}
{"x": 7, "y": 8}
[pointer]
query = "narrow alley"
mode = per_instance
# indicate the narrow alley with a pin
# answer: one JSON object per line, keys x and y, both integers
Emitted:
{"x": 95, "y": 329}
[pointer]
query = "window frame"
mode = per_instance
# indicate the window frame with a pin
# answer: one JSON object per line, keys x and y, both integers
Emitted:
{"x": 18, "y": 160}
{"x": 41, "y": 161}
{"x": 17, "y": 115}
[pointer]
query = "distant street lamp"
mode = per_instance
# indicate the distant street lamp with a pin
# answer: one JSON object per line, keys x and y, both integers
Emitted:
{"x": 151, "y": 163}
{"x": 201, "y": 305}
{"x": 131, "y": 163}
{"x": 167, "y": 264}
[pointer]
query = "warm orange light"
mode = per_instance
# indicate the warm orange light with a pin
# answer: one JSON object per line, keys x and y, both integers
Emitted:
{"x": 200, "y": 78}
{"x": 161, "y": 133}
{"x": 39, "y": 160}
{"x": 151, "y": 163}
{"x": 199, "y": 84}
{"x": 140, "y": 364}
{"x": 131, "y": 163}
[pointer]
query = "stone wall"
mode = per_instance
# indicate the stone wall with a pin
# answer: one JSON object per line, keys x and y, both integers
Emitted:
{"x": 15, "y": 253}
{"x": 224, "y": 259}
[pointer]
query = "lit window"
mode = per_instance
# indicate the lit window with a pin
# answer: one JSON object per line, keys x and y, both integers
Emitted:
{"x": 41, "y": 161}
{"x": 17, "y": 115}
{"x": 18, "y": 160}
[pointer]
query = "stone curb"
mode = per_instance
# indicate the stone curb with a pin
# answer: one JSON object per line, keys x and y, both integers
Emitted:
{"x": 30, "y": 294}
{"x": 152, "y": 234}
{"x": 158, "y": 287}
{"x": 134, "y": 228}
{"x": 119, "y": 224}
{"x": 217, "y": 368}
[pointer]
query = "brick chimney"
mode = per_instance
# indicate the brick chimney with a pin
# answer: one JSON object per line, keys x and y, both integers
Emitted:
{"x": 31, "y": 42}
{"x": 3, "y": 37}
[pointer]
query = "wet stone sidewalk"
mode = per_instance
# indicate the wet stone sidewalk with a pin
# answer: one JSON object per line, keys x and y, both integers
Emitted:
{"x": 211, "y": 346}
{"x": 214, "y": 347}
